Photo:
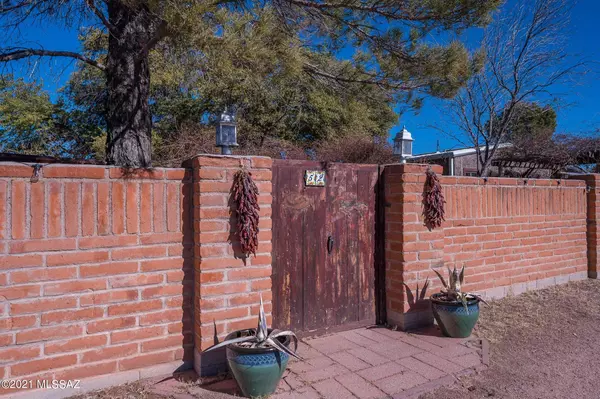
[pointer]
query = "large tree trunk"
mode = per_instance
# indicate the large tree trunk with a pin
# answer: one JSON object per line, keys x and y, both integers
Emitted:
{"x": 129, "y": 140}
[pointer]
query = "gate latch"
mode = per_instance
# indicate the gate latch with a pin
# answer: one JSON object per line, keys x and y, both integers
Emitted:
{"x": 329, "y": 244}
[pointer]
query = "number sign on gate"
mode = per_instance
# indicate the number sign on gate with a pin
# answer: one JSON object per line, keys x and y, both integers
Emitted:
{"x": 314, "y": 178}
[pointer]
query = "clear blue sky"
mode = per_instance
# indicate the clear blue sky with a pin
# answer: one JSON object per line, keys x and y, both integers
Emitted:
{"x": 582, "y": 116}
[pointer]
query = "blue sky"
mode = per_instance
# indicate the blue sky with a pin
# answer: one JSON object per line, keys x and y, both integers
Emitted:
{"x": 583, "y": 114}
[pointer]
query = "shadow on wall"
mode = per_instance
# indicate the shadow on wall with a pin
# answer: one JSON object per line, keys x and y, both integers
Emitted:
{"x": 380, "y": 204}
{"x": 187, "y": 300}
{"x": 215, "y": 362}
{"x": 233, "y": 238}
{"x": 419, "y": 304}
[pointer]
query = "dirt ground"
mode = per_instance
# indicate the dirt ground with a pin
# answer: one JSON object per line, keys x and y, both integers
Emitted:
{"x": 543, "y": 344}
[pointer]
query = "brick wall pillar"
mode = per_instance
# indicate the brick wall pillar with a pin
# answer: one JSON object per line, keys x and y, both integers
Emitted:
{"x": 593, "y": 230}
{"x": 227, "y": 286}
{"x": 411, "y": 250}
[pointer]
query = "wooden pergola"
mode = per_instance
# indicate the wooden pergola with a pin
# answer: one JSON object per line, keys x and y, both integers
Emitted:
{"x": 553, "y": 163}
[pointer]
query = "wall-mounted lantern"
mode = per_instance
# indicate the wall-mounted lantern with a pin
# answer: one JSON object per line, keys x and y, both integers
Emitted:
{"x": 403, "y": 144}
{"x": 227, "y": 131}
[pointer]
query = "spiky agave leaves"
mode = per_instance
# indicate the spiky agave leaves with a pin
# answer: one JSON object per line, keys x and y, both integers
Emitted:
{"x": 452, "y": 287}
{"x": 455, "y": 280}
{"x": 262, "y": 338}
{"x": 273, "y": 342}
{"x": 442, "y": 279}
{"x": 261, "y": 330}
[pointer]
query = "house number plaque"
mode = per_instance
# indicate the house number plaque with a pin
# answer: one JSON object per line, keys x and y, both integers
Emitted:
{"x": 314, "y": 178}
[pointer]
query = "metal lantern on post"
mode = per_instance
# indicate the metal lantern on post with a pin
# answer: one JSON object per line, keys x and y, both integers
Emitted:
{"x": 227, "y": 131}
{"x": 403, "y": 144}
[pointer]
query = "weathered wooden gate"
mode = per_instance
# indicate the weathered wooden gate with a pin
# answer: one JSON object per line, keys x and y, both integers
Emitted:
{"x": 323, "y": 247}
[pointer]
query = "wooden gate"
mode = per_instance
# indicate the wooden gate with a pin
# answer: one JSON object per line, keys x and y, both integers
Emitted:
{"x": 323, "y": 247}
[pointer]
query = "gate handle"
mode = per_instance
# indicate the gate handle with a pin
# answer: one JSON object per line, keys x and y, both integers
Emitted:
{"x": 329, "y": 244}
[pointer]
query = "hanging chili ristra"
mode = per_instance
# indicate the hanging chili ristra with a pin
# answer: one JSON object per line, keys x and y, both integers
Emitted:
{"x": 433, "y": 201}
{"x": 245, "y": 195}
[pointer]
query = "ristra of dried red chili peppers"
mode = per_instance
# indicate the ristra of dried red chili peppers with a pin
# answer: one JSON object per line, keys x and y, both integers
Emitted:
{"x": 433, "y": 201}
{"x": 245, "y": 195}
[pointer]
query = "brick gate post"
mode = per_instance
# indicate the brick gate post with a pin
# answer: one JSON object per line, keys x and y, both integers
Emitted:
{"x": 593, "y": 228}
{"x": 227, "y": 287}
{"x": 411, "y": 250}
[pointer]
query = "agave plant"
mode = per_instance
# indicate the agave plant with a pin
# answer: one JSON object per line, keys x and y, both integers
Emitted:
{"x": 261, "y": 338}
{"x": 452, "y": 287}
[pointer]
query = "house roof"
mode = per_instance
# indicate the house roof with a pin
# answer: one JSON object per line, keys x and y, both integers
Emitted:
{"x": 459, "y": 152}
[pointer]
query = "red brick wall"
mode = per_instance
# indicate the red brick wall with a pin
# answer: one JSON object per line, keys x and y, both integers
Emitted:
{"x": 410, "y": 249}
{"x": 227, "y": 285}
{"x": 593, "y": 232}
{"x": 103, "y": 271}
{"x": 511, "y": 234}
{"x": 514, "y": 233}
{"x": 95, "y": 270}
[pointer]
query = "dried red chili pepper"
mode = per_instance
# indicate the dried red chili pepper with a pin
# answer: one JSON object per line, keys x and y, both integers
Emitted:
{"x": 245, "y": 195}
{"x": 433, "y": 201}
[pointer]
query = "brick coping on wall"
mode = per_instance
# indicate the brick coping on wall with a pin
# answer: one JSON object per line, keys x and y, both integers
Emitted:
{"x": 68, "y": 171}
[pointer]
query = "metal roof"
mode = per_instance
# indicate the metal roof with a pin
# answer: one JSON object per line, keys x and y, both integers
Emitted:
{"x": 460, "y": 152}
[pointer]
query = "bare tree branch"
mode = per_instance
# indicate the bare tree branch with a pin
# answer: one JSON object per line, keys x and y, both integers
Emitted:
{"x": 370, "y": 78}
{"x": 24, "y": 53}
{"x": 525, "y": 58}
{"x": 111, "y": 28}
{"x": 407, "y": 12}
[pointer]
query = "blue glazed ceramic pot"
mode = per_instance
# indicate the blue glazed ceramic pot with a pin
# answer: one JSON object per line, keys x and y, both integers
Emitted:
{"x": 452, "y": 317}
{"x": 256, "y": 370}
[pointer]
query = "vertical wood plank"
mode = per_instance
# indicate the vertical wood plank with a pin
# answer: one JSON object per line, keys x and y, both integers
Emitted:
{"x": 315, "y": 290}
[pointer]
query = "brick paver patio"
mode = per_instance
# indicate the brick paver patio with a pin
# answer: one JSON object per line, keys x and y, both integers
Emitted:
{"x": 375, "y": 363}
{"x": 378, "y": 363}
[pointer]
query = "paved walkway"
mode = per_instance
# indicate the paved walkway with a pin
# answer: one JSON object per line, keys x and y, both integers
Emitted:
{"x": 372, "y": 363}
{"x": 377, "y": 363}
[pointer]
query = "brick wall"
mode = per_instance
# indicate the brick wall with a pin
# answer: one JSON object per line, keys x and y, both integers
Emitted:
{"x": 593, "y": 232}
{"x": 105, "y": 271}
{"x": 511, "y": 234}
{"x": 515, "y": 234}
{"x": 228, "y": 286}
{"x": 95, "y": 270}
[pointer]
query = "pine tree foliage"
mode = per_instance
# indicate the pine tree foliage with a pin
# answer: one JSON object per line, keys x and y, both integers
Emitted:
{"x": 299, "y": 71}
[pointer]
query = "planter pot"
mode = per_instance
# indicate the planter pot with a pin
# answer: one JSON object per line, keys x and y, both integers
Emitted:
{"x": 256, "y": 370}
{"x": 453, "y": 318}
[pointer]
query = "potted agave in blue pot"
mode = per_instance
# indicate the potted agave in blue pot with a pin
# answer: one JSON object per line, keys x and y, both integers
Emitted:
{"x": 258, "y": 357}
{"x": 456, "y": 312}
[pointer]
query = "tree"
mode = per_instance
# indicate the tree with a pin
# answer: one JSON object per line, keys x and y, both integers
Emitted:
{"x": 523, "y": 59}
{"x": 27, "y": 116}
{"x": 356, "y": 150}
{"x": 387, "y": 37}
{"x": 253, "y": 65}
{"x": 557, "y": 154}
{"x": 30, "y": 122}
{"x": 256, "y": 66}
{"x": 531, "y": 125}
{"x": 280, "y": 108}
